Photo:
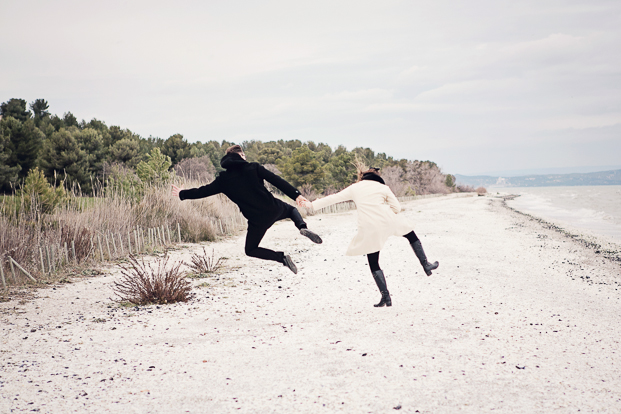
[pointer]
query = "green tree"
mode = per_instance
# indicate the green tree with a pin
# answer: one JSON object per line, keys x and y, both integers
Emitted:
{"x": 62, "y": 156}
{"x": 156, "y": 168}
{"x": 25, "y": 143}
{"x": 40, "y": 109}
{"x": 303, "y": 167}
{"x": 37, "y": 191}
{"x": 270, "y": 155}
{"x": 92, "y": 143}
{"x": 450, "y": 181}
{"x": 70, "y": 120}
{"x": 176, "y": 148}
{"x": 15, "y": 108}
{"x": 341, "y": 170}
{"x": 126, "y": 151}
{"x": 8, "y": 173}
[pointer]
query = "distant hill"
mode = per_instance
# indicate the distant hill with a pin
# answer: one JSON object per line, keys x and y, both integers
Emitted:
{"x": 546, "y": 180}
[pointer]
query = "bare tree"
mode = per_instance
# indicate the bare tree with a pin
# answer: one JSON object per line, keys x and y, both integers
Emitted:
{"x": 394, "y": 178}
{"x": 199, "y": 169}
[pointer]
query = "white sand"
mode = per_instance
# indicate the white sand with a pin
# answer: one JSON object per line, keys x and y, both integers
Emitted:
{"x": 508, "y": 294}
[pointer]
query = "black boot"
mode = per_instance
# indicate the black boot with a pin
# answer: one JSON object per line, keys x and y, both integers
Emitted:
{"x": 300, "y": 224}
{"x": 420, "y": 253}
{"x": 378, "y": 275}
{"x": 286, "y": 260}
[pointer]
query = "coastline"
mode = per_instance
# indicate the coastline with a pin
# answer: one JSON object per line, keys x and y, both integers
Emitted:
{"x": 519, "y": 318}
{"x": 600, "y": 244}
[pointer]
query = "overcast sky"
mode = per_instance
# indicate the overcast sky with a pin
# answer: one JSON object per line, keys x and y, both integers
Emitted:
{"x": 476, "y": 86}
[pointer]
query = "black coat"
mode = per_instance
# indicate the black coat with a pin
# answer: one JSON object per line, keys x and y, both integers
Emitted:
{"x": 243, "y": 183}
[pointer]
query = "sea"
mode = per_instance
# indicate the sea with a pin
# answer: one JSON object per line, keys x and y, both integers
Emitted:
{"x": 587, "y": 209}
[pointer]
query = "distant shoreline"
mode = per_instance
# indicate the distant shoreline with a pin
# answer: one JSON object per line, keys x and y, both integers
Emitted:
{"x": 612, "y": 177}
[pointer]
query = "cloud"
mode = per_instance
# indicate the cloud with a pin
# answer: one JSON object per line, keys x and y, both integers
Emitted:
{"x": 441, "y": 80}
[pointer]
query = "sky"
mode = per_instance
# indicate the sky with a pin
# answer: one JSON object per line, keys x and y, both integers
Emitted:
{"x": 476, "y": 86}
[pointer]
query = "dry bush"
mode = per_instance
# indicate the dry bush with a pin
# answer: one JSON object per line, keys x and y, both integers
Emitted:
{"x": 199, "y": 169}
{"x": 426, "y": 178}
{"x": 204, "y": 264}
{"x": 463, "y": 188}
{"x": 393, "y": 177}
{"x": 481, "y": 190}
{"x": 112, "y": 211}
{"x": 141, "y": 284}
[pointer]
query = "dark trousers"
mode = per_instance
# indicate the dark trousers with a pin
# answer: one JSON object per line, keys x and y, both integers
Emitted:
{"x": 257, "y": 231}
{"x": 373, "y": 258}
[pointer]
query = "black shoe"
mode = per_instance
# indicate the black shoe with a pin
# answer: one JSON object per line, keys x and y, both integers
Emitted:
{"x": 386, "y": 301}
{"x": 313, "y": 236}
{"x": 289, "y": 263}
{"x": 420, "y": 253}
{"x": 378, "y": 275}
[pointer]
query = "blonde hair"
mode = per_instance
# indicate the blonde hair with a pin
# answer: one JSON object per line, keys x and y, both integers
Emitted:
{"x": 362, "y": 168}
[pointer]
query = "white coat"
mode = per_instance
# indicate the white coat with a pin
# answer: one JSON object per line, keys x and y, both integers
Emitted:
{"x": 377, "y": 215}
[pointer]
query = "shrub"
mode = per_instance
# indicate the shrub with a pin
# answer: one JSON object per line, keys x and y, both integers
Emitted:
{"x": 141, "y": 284}
{"x": 38, "y": 194}
{"x": 155, "y": 170}
{"x": 199, "y": 169}
{"x": 463, "y": 188}
{"x": 204, "y": 265}
{"x": 481, "y": 190}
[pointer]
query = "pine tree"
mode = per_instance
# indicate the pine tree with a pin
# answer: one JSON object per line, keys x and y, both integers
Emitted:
{"x": 8, "y": 173}
{"x": 24, "y": 143}
{"x": 15, "y": 108}
{"x": 61, "y": 156}
{"x": 176, "y": 148}
{"x": 303, "y": 167}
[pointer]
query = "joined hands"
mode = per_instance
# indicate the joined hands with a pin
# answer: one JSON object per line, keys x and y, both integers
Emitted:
{"x": 303, "y": 202}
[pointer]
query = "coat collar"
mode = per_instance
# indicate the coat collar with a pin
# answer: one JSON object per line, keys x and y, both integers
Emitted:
{"x": 373, "y": 177}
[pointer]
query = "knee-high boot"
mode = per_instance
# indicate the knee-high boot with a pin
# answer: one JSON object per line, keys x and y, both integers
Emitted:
{"x": 420, "y": 253}
{"x": 378, "y": 275}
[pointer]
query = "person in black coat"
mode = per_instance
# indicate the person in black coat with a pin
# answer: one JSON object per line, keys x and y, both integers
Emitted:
{"x": 243, "y": 183}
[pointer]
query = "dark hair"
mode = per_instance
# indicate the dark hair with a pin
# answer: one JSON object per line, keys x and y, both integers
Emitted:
{"x": 236, "y": 149}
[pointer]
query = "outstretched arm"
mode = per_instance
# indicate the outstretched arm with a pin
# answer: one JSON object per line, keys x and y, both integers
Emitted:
{"x": 344, "y": 195}
{"x": 279, "y": 183}
{"x": 194, "y": 193}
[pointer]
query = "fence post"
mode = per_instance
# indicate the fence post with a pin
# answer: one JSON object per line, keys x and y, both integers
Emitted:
{"x": 12, "y": 270}
{"x": 73, "y": 250}
{"x": 116, "y": 252}
{"x": 22, "y": 269}
{"x": 2, "y": 274}
{"x": 169, "y": 238}
{"x": 108, "y": 246}
{"x": 49, "y": 260}
{"x": 100, "y": 249}
{"x": 66, "y": 253}
{"x": 179, "y": 232}
{"x": 137, "y": 245}
{"x": 42, "y": 262}
{"x": 129, "y": 242}
{"x": 53, "y": 261}
{"x": 121, "y": 243}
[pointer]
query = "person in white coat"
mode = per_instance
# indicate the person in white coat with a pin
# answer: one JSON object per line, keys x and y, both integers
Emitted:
{"x": 378, "y": 219}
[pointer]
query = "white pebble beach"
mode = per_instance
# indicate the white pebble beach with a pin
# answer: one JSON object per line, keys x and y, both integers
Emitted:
{"x": 518, "y": 318}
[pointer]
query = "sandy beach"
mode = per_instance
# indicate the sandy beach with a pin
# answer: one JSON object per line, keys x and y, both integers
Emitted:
{"x": 518, "y": 318}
